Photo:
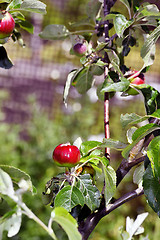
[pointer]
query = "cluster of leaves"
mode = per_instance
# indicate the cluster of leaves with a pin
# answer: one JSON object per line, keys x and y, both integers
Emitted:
{"x": 142, "y": 19}
{"x": 16, "y": 8}
{"x": 75, "y": 188}
{"x": 11, "y": 221}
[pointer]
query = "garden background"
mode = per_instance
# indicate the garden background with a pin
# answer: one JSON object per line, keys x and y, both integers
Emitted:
{"x": 34, "y": 119}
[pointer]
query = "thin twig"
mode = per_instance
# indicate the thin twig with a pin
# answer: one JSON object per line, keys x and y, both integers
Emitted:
{"x": 106, "y": 95}
{"x": 32, "y": 216}
{"x": 106, "y": 122}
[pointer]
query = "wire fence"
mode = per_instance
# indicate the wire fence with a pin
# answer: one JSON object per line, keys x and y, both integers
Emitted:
{"x": 42, "y": 66}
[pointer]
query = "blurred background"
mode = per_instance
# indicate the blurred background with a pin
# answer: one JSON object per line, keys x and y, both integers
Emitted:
{"x": 34, "y": 119}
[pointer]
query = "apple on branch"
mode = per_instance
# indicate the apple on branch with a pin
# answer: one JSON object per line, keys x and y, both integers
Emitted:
{"x": 66, "y": 155}
{"x": 135, "y": 78}
{"x": 80, "y": 49}
{"x": 7, "y": 25}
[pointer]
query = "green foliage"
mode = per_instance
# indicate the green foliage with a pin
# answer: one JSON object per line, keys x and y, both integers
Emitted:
{"x": 17, "y": 175}
{"x": 151, "y": 189}
{"x": 139, "y": 134}
{"x": 110, "y": 183}
{"x": 54, "y": 32}
{"x": 153, "y": 153}
{"x": 12, "y": 221}
{"x": 67, "y": 222}
{"x": 90, "y": 191}
{"x": 69, "y": 197}
{"x": 109, "y": 37}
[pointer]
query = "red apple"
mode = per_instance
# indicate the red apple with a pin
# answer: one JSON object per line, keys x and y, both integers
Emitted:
{"x": 136, "y": 79}
{"x": 80, "y": 49}
{"x": 7, "y": 24}
{"x": 66, "y": 155}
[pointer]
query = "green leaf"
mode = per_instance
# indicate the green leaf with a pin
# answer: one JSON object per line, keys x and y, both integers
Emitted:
{"x": 138, "y": 175}
{"x": 127, "y": 4}
{"x": 138, "y": 135}
{"x": 67, "y": 222}
{"x": 148, "y": 9}
{"x": 120, "y": 23}
{"x": 115, "y": 61}
{"x": 156, "y": 114}
{"x": 69, "y": 197}
{"x": 148, "y": 57}
{"x": 94, "y": 158}
{"x": 83, "y": 80}
{"x": 151, "y": 96}
{"x": 68, "y": 85}
{"x": 6, "y": 185}
{"x": 113, "y": 57}
{"x": 26, "y": 25}
{"x": 88, "y": 146}
{"x": 83, "y": 22}
{"x": 116, "y": 87}
{"x": 33, "y": 6}
{"x": 18, "y": 15}
{"x": 93, "y": 8}
{"x": 144, "y": 130}
{"x": 148, "y": 49}
{"x": 5, "y": 62}
{"x": 131, "y": 118}
{"x": 12, "y": 225}
{"x": 97, "y": 70}
{"x": 90, "y": 191}
{"x": 55, "y": 32}
{"x": 153, "y": 153}
{"x": 111, "y": 143}
{"x": 15, "y": 4}
{"x": 129, "y": 134}
{"x": 110, "y": 182}
{"x": 17, "y": 175}
{"x": 151, "y": 188}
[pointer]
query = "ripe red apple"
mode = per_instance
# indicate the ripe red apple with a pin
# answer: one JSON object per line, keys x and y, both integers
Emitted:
{"x": 66, "y": 155}
{"x": 137, "y": 79}
{"x": 80, "y": 49}
{"x": 7, "y": 24}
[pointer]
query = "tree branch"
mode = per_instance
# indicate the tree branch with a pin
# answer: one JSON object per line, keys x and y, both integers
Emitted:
{"x": 125, "y": 167}
{"x": 86, "y": 228}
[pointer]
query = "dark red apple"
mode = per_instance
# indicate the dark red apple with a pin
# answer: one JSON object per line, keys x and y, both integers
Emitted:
{"x": 66, "y": 155}
{"x": 7, "y": 24}
{"x": 80, "y": 49}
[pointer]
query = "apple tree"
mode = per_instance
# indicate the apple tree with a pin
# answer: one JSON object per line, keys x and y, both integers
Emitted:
{"x": 102, "y": 41}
